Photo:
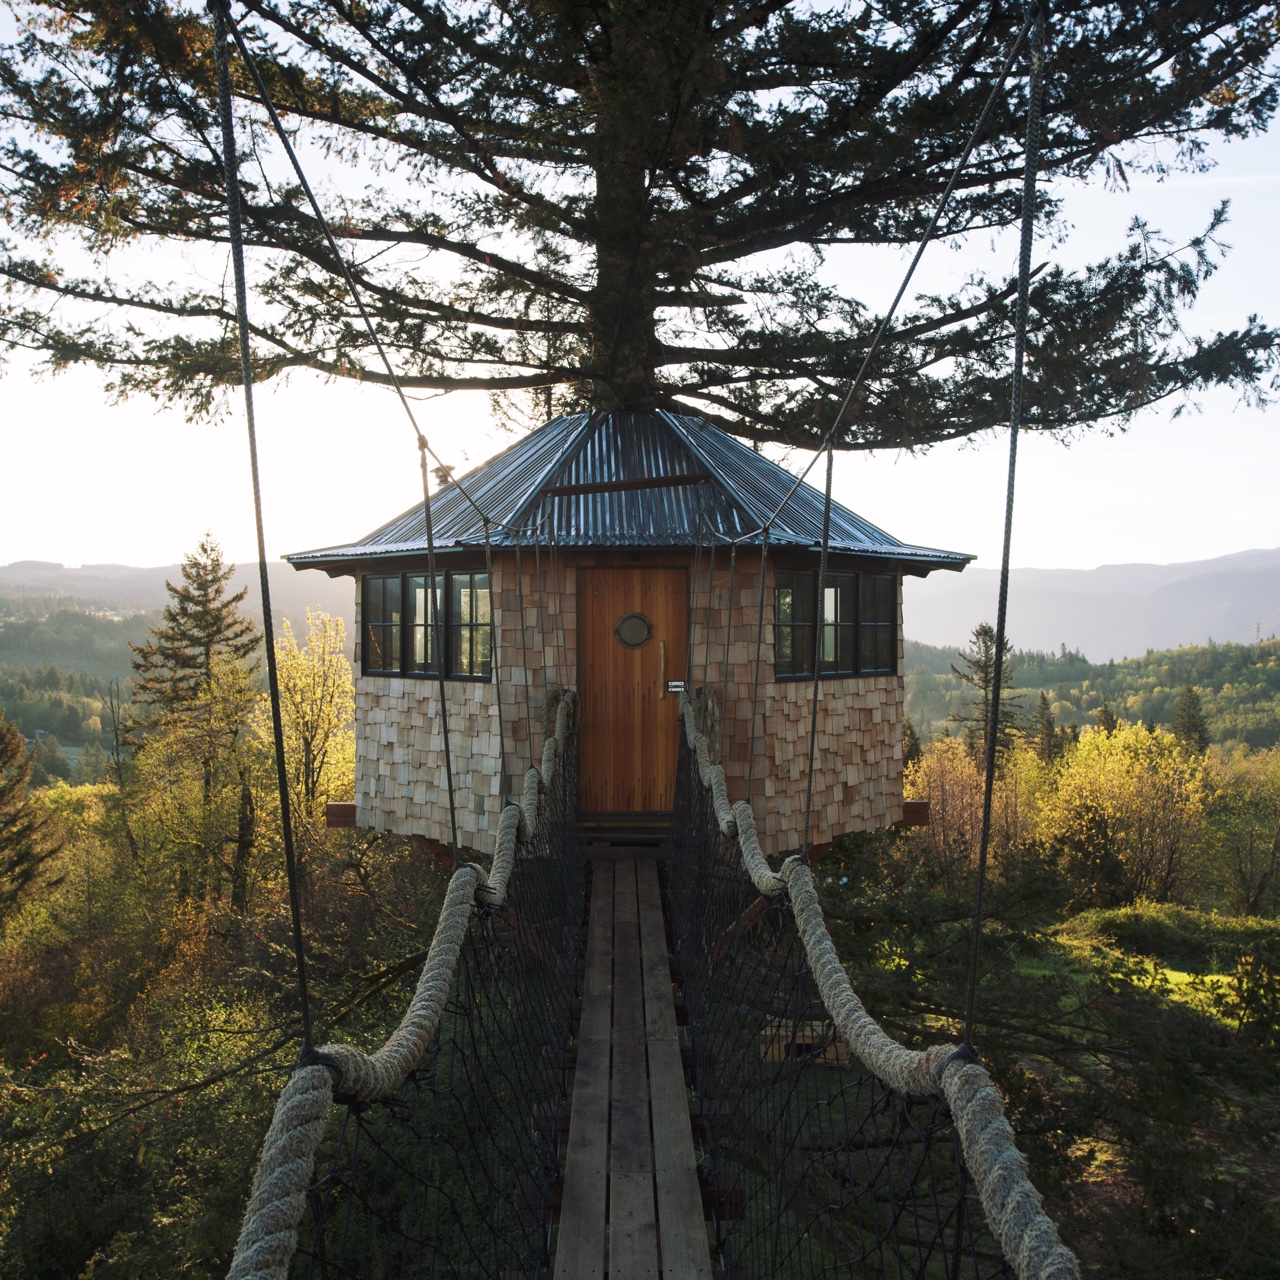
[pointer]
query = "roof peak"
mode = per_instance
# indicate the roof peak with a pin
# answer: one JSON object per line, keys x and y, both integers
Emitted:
{"x": 630, "y": 478}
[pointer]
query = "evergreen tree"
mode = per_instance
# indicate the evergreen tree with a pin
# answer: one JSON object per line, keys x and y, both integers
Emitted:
{"x": 1106, "y": 718}
{"x": 1048, "y": 737}
{"x": 49, "y": 763}
{"x": 911, "y": 748}
{"x": 629, "y": 204}
{"x": 202, "y": 627}
{"x": 194, "y": 677}
{"x": 979, "y": 662}
{"x": 1190, "y": 725}
{"x": 25, "y": 841}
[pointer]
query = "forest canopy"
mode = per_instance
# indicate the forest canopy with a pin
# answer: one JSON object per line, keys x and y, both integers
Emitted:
{"x": 623, "y": 206}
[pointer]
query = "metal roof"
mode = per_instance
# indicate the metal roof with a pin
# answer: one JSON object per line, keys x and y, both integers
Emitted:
{"x": 728, "y": 489}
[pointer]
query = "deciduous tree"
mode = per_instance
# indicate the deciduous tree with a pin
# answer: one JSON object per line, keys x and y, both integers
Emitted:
{"x": 628, "y": 205}
{"x": 317, "y": 704}
{"x": 1127, "y": 814}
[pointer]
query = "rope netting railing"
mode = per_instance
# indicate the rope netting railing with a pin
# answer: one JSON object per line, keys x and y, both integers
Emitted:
{"x": 440, "y": 1163}
{"x": 832, "y": 1149}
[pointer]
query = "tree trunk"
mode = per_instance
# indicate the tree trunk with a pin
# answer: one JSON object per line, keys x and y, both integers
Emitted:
{"x": 624, "y": 343}
{"x": 644, "y": 98}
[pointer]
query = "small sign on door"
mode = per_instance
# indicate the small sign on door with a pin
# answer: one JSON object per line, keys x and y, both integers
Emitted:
{"x": 675, "y": 686}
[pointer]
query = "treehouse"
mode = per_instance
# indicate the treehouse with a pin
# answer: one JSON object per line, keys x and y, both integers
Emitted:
{"x": 612, "y": 532}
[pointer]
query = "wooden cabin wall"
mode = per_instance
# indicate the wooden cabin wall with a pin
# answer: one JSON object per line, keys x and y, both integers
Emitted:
{"x": 399, "y": 746}
{"x": 400, "y": 774}
{"x": 858, "y": 760}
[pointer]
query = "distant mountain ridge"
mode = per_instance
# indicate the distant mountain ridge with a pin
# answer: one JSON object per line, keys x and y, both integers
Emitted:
{"x": 1113, "y": 611}
{"x": 128, "y": 587}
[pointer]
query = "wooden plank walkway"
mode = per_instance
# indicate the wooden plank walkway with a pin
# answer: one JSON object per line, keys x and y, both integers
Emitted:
{"x": 632, "y": 1208}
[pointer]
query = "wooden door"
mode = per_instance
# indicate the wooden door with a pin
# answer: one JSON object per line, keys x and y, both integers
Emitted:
{"x": 629, "y": 735}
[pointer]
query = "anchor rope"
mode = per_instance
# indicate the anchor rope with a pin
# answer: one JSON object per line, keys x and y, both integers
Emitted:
{"x": 220, "y": 11}
{"x": 1027, "y": 235}
{"x": 755, "y": 681}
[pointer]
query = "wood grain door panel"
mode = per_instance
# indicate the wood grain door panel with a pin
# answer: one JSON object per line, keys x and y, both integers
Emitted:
{"x": 629, "y": 734}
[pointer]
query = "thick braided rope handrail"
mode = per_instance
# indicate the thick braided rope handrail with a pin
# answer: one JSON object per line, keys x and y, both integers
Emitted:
{"x": 269, "y": 1234}
{"x": 1011, "y": 1203}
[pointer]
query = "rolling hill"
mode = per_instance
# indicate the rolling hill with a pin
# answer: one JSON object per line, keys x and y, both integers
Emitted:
{"x": 1114, "y": 611}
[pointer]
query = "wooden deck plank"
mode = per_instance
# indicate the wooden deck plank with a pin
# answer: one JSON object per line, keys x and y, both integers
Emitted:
{"x": 628, "y": 997}
{"x": 633, "y": 1228}
{"x": 580, "y": 1248}
{"x": 682, "y": 1232}
{"x": 630, "y": 1145}
{"x": 659, "y": 1009}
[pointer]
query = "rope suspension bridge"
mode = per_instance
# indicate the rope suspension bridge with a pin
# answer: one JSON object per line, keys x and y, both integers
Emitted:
{"x": 638, "y": 1061}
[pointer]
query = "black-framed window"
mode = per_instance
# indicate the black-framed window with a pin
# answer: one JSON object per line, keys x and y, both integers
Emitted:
{"x": 383, "y": 614}
{"x": 419, "y": 649}
{"x": 793, "y": 622}
{"x": 470, "y": 625}
{"x": 838, "y": 656}
{"x": 878, "y": 625}
{"x": 396, "y": 630}
{"x": 859, "y": 631}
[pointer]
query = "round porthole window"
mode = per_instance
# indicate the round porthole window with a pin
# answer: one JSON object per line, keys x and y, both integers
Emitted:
{"x": 633, "y": 630}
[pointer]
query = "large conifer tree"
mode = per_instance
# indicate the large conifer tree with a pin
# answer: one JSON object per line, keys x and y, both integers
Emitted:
{"x": 1190, "y": 724}
{"x": 977, "y": 672}
{"x": 624, "y": 205}
{"x": 25, "y": 840}
{"x": 202, "y": 628}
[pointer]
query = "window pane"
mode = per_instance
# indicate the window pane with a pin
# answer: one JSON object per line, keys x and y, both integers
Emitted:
{"x": 783, "y": 605}
{"x": 806, "y": 589}
{"x": 783, "y": 658}
{"x": 879, "y": 598}
{"x": 802, "y": 658}
{"x": 794, "y": 601}
{"x": 886, "y": 649}
{"x": 380, "y": 605}
{"x": 470, "y": 635}
{"x": 837, "y": 598}
{"x": 837, "y": 630}
{"x": 417, "y": 618}
{"x": 372, "y": 600}
{"x": 461, "y": 598}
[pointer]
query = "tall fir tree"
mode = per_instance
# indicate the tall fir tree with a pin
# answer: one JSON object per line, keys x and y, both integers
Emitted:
{"x": 26, "y": 842}
{"x": 629, "y": 206}
{"x": 193, "y": 678}
{"x": 1048, "y": 737}
{"x": 202, "y": 627}
{"x": 1190, "y": 724}
{"x": 912, "y": 748}
{"x": 1106, "y": 718}
{"x": 978, "y": 677}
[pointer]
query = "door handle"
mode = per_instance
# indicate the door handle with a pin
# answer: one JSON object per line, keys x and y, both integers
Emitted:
{"x": 662, "y": 668}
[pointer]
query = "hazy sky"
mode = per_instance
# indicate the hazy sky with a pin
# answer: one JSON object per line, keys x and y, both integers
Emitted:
{"x": 85, "y": 482}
